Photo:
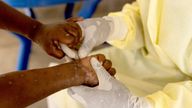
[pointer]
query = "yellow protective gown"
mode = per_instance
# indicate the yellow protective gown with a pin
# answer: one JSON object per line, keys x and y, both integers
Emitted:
{"x": 155, "y": 57}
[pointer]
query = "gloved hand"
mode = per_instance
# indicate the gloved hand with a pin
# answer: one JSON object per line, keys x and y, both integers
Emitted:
{"x": 109, "y": 94}
{"x": 95, "y": 32}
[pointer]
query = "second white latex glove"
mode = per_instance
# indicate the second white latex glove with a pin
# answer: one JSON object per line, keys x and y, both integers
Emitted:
{"x": 109, "y": 94}
{"x": 96, "y": 31}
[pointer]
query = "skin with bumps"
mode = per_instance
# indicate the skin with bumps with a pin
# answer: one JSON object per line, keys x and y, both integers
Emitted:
{"x": 20, "y": 89}
{"x": 48, "y": 36}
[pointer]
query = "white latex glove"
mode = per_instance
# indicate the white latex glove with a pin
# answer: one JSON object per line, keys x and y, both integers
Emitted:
{"x": 109, "y": 94}
{"x": 95, "y": 32}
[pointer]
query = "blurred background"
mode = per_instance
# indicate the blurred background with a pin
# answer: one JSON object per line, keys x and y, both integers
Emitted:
{"x": 9, "y": 44}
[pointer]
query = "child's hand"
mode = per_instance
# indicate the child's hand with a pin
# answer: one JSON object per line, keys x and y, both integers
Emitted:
{"x": 90, "y": 78}
{"x": 49, "y": 37}
{"x": 74, "y": 19}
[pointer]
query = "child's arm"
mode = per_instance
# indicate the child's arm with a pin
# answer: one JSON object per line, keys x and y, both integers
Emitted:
{"x": 13, "y": 20}
{"x": 20, "y": 89}
{"x": 48, "y": 36}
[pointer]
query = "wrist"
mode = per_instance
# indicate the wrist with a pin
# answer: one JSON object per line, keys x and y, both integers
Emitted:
{"x": 76, "y": 74}
{"x": 35, "y": 28}
{"x": 83, "y": 75}
{"x": 67, "y": 75}
{"x": 79, "y": 72}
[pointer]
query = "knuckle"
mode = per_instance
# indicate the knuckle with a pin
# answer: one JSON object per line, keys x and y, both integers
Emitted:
{"x": 112, "y": 71}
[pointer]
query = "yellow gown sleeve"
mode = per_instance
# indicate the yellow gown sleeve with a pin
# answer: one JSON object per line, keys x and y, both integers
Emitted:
{"x": 138, "y": 36}
{"x": 164, "y": 29}
{"x": 174, "y": 95}
{"x": 131, "y": 17}
{"x": 168, "y": 23}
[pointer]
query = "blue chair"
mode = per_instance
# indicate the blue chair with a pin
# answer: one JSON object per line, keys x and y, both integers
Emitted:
{"x": 86, "y": 11}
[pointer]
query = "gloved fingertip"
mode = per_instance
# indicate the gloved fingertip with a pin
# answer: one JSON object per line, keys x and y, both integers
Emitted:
{"x": 102, "y": 74}
{"x": 82, "y": 53}
{"x": 63, "y": 46}
{"x": 95, "y": 62}
{"x": 99, "y": 69}
{"x": 69, "y": 52}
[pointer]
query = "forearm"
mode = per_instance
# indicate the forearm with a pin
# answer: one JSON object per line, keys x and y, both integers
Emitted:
{"x": 15, "y": 21}
{"x": 96, "y": 31}
{"x": 24, "y": 88}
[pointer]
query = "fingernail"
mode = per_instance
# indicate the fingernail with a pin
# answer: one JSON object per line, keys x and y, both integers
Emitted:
{"x": 67, "y": 34}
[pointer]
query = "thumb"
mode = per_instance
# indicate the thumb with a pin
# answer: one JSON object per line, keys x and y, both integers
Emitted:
{"x": 84, "y": 50}
{"x": 69, "y": 52}
{"x": 86, "y": 47}
{"x": 102, "y": 74}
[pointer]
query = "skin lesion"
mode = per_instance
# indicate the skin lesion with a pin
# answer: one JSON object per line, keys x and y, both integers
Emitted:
{"x": 26, "y": 87}
{"x": 91, "y": 77}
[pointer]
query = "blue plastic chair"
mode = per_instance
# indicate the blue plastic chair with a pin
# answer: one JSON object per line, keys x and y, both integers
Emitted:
{"x": 86, "y": 11}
